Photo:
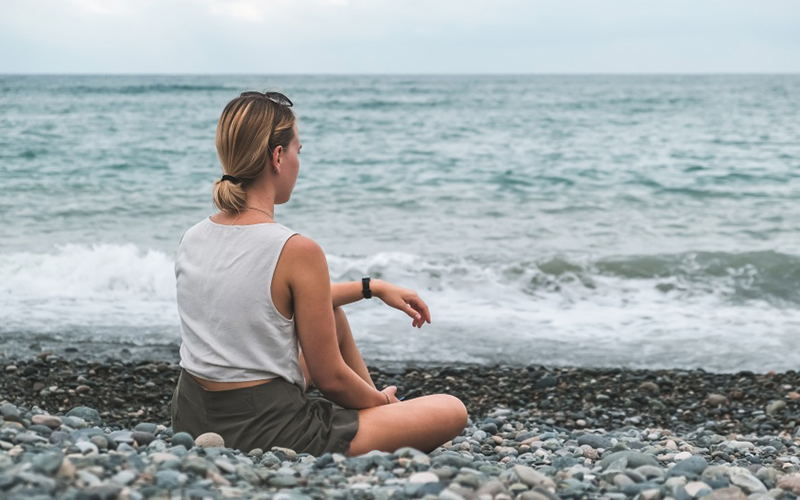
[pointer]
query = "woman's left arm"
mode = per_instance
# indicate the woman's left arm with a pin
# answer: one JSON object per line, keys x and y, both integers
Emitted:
{"x": 400, "y": 298}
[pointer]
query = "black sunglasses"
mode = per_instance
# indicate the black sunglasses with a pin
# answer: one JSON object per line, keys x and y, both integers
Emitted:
{"x": 275, "y": 97}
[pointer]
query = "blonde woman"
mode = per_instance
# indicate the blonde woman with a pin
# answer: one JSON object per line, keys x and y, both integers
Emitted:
{"x": 261, "y": 321}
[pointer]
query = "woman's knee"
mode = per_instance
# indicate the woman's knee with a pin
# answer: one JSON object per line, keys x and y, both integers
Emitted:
{"x": 451, "y": 414}
{"x": 423, "y": 423}
{"x": 457, "y": 413}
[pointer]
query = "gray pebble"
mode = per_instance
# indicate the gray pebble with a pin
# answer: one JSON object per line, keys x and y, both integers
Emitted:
{"x": 146, "y": 427}
{"x": 89, "y": 415}
{"x": 595, "y": 441}
{"x": 633, "y": 459}
{"x": 692, "y": 466}
{"x": 142, "y": 438}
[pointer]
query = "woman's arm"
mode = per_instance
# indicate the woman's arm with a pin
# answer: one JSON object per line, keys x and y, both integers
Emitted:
{"x": 400, "y": 298}
{"x": 316, "y": 328}
{"x": 352, "y": 291}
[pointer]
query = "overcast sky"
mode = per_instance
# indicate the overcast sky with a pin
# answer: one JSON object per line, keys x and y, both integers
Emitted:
{"x": 399, "y": 36}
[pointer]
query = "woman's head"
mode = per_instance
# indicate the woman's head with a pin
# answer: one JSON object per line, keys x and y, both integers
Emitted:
{"x": 254, "y": 131}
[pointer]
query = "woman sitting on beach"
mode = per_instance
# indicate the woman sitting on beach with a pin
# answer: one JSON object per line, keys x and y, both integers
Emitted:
{"x": 249, "y": 289}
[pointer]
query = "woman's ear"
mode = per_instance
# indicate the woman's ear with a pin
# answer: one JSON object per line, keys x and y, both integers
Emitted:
{"x": 276, "y": 159}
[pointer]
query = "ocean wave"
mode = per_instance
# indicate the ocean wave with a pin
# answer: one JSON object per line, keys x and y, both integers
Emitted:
{"x": 767, "y": 276}
{"x": 87, "y": 285}
{"x": 556, "y": 309}
{"x": 125, "y": 274}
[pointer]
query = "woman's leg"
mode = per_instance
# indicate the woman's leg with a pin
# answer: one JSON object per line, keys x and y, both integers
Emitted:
{"x": 348, "y": 348}
{"x": 424, "y": 423}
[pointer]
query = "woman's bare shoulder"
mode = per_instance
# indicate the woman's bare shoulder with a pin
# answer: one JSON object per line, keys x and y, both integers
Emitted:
{"x": 301, "y": 250}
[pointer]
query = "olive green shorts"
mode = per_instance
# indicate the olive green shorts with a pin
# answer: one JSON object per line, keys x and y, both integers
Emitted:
{"x": 277, "y": 413}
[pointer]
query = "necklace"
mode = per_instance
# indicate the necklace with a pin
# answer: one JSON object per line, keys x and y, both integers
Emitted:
{"x": 253, "y": 208}
{"x": 262, "y": 211}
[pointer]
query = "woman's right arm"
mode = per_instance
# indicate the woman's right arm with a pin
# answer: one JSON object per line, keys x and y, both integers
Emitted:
{"x": 310, "y": 286}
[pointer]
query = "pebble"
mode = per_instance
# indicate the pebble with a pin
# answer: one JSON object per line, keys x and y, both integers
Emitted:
{"x": 732, "y": 493}
{"x": 632, "y": 459}
{"x": 533, "y": 478}
{"x": 50, "y": 421}
{"x": 184, "y": 439}
{"x": 717, "y": 400}
{"x": 595, "y": 441}
{"x": 423, "y": 477}
{"x": 209, "y": 440}
{"x": 776, "y": 406}
{"x": 145, "y": 438}
{"x": 747, "y": 482}
{"x": 691, "y": 466}
{"x": 694, "y": 488}
{"x": 87, "y": 414}
{"x": 790, "y": 482}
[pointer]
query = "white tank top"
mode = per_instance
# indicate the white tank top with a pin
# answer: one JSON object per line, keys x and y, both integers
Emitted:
{"x": 230, "y": 328}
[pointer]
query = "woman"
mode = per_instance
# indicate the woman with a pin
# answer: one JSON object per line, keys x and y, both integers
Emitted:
{"x": 249, "y": 289}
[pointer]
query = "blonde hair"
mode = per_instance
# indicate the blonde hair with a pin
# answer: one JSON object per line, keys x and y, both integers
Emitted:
{"x": 249, "y": 130}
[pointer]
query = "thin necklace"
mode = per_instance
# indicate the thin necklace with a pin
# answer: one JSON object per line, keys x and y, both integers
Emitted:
{"x": 253, "y": 208}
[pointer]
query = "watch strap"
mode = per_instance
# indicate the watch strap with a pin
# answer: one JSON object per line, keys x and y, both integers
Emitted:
{"x": 367, "y": 292}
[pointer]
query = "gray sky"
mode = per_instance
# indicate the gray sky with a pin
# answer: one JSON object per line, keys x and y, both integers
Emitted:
{"x": 399, "y": 36}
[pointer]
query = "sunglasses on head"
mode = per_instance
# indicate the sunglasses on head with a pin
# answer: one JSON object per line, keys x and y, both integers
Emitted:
{"x": 275, "y": 97}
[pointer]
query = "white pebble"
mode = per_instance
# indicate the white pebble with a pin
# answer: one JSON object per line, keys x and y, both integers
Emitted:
{"x": 209, "y": 440}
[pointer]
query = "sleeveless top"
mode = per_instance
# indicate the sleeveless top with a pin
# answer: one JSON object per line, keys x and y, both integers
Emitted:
{"x": 230, "y": 328}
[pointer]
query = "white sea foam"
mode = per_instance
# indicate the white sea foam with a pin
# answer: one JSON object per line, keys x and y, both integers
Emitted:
{"x": 501, "y": 312}
{"x": 87, "y": 286}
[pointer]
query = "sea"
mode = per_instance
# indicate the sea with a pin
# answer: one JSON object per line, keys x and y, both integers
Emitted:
{"x": 587, "y": 221}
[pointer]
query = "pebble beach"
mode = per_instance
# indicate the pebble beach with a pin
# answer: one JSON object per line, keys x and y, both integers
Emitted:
{"x": 76, "y": 429}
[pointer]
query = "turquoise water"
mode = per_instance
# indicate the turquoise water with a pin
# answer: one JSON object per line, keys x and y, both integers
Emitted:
{"x": 585, "y": 220}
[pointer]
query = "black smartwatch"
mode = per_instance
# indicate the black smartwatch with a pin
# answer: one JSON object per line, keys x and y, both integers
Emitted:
{"x": 367, "y": 291}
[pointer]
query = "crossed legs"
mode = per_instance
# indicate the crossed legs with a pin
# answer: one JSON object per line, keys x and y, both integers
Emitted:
{"x": 423, "y": 423}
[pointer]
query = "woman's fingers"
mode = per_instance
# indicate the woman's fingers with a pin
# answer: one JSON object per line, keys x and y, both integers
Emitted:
{"x": 419, "y": 305}
{"x": 418, "y": 319}
{"x": 391, "y": 391}
{"x": 407, "y": 301}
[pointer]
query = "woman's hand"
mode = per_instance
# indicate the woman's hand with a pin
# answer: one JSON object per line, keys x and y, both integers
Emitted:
{"x": 403, "y": 299}
{"x": 391, "y": 391}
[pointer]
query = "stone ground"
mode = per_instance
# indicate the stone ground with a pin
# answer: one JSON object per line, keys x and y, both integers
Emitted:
{"x": 88, "y": 429}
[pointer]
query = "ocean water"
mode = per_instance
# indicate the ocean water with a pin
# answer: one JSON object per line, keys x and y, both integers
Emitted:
{"x": 635, "y": 221}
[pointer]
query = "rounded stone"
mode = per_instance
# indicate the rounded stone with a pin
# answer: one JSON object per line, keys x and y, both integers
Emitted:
{"x": 423, "y": 477}
{"x": 594, "y": 441}
{"x": 48, "y": 462}
{"x": 790, "y": 482}
{"x": 90, "y": 415}
{"x": 209, "y": 440}
{"x": 40, "y": 429}
{"x": 50, "y": 421}
{"x": 146, "y": 427}
{"x": 143, "y": 438}
{"x": 694, "y": 488}
{"x": 283, "y": 481}
{"x": 748, "y": 483}
{"x": 100, "y": 441}
{"x": 717, "y": 400}
{"x": 183, "y": 438}
{"x": 10, "y": 413}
